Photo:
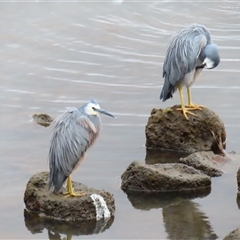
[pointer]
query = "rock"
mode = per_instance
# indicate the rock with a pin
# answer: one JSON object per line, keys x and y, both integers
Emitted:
{"x": 207, "y": 162}
{"x": 95, "y": 204}
{"x": 163, "y": 177}
{"x": 238, "y": 179}
{"x": 235, "y": 234}
{"x": 42, "y": 119}
{"x": 169, "y": 130}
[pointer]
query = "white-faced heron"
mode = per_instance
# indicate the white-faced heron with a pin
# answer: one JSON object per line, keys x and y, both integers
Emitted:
{"x": 74, "y": 132}
{"x": 189, "y": 51}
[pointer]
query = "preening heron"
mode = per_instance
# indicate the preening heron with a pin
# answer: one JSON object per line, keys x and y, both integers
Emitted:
{"x": 189, "y": 51}
{"x": 74, "y": 132}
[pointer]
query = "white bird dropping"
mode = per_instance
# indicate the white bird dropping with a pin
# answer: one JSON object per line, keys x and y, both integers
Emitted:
{"x": 102, "y": 210}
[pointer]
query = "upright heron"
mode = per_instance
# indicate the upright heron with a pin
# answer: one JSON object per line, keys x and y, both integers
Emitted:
{"x": 189, "y": 51}
{"x": 74, "y": 132}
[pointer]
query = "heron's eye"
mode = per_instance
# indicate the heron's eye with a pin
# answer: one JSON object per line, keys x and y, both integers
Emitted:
{"x": 94, "y": 108}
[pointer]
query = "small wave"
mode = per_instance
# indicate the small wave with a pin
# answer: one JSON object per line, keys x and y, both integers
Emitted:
{"x": 19, "y": 91}
{"x": 79, "y": 62}
{"x": 102, "y": 84}
{"x": 140, "y": 61}
{"x": 230, "y": 60}
{"x": 78, "y": 25}
{"x": 133, "y": 39}
{"x": 60, "y": 70}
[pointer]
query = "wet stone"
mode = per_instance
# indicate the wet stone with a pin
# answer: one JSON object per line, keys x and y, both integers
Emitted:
{"x": 42, "y": 119}
{"x": 169, "y": 130}
{"x": 207, "y": 162}
{"x": 163, "y": 177}
{"x": 95, "y": 204}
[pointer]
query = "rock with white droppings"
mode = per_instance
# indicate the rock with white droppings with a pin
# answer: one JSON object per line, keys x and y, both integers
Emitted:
{"x": 94, "y": 205}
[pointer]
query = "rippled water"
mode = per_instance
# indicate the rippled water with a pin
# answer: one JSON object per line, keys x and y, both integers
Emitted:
{"x": 56, "y": 55}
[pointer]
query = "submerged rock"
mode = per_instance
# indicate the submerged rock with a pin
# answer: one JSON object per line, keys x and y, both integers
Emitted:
{"x": 207, "y": 162}
{"x": 169, "y": 130}
{"x": 95, "y": 204}
{"x": 42, "y": 119}
{"x": 163, "y": 177}
{"x": 235, "y": 234}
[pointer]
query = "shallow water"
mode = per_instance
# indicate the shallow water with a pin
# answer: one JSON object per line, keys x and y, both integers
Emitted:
{"x": 56, "y": 55}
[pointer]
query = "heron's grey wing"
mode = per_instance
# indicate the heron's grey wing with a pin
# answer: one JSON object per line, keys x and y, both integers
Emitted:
{"x": 79, "y": 136}
{"x": 181, "y": 58}
{"x": 68, "y": 145}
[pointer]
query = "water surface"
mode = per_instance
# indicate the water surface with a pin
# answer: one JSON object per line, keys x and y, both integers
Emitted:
{"x": 56, "y": 55}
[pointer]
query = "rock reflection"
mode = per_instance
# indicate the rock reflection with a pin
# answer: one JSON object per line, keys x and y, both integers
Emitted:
{"x": 36, "y": 224}
{"x": 181, "y": 216}
{"x": 147, "y": 201}
{"x": 159, "y": 156}
{"x": 186, "y": 221}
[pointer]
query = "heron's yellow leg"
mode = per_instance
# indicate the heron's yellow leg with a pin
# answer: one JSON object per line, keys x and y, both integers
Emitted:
{"x": 70, "y": 192}
{"x": 183, "y": 108}
{"x": 190, "y": 103}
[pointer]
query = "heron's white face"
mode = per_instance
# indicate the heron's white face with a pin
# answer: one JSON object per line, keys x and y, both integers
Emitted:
{"x": 209, "y": 64}
{"x": 90, "y": 109}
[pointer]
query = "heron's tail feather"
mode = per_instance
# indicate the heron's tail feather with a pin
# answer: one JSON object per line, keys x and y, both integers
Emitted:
{"x": 56, "y": 179}
{"x": 167, "y": 91}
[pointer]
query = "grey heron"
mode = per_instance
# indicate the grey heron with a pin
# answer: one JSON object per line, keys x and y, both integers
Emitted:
{"x": 189, "y": 51}
{"x": 74, "y": 132}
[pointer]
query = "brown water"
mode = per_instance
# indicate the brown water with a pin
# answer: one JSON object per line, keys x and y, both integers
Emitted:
{"x": 56, "y": 55}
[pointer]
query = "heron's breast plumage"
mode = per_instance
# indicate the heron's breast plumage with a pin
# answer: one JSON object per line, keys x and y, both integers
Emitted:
{"x": 96, "y": 121}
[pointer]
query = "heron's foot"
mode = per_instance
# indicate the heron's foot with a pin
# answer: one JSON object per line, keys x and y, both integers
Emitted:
{"x": 195, "y": 107}
{"x": 187, "y": 111}
{"x": 74, "y": 194}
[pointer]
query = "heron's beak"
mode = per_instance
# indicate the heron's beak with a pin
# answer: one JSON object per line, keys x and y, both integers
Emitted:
{"x": 104, "y": 112}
